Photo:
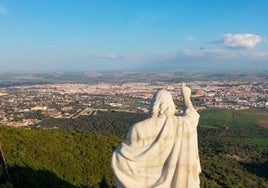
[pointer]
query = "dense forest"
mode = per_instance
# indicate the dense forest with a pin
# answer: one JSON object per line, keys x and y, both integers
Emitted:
{"x": 233, "y": 150}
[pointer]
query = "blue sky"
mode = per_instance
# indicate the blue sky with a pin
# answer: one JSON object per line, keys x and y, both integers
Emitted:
{"x": 90, "y": 35}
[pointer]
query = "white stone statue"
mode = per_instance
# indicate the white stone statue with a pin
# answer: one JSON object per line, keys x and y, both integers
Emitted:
{"x": 161, "y": 151}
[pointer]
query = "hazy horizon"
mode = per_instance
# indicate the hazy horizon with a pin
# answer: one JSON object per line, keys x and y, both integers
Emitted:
{"x": 182, "y": 36}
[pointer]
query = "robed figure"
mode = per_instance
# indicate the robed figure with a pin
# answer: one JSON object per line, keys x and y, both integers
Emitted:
{"x": 161, "y": 151}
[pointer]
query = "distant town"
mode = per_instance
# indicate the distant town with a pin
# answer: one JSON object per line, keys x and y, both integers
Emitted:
{"x": 26, "y": 105}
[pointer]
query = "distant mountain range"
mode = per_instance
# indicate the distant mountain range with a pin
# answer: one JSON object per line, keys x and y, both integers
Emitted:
{"x": 17, "y": 79}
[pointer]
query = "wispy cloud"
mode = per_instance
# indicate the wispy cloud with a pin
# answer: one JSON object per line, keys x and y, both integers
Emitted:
{"x": 189, "y": 38}
{"x": 3, "y": 11}
{"x": 111, "y": 56}
{"x": 244, "y": 41}
{"x": 260, "y": 55}
{"x": 217, "y": 59}
{"x": 215, "y": 42}
{"x": 203, "y": 52}
{"x": 226, "y": 54}
{"x": 115, "y": 56}
{"x": 129, "y": 57}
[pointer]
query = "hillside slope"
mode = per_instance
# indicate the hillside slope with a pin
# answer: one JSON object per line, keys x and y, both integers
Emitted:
{"x": 55, "y": 159}
{"x": 233, "y": 152}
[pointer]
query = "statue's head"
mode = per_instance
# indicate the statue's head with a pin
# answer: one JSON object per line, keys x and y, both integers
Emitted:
{"x": 162, "y": 104}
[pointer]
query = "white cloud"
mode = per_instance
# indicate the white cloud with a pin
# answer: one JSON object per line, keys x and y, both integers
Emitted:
{"x": 3, "y": 11}
{"x": 248, "y": 41}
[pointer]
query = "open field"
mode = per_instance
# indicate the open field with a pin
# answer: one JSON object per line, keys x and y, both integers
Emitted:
{"x": 263, "y": 123}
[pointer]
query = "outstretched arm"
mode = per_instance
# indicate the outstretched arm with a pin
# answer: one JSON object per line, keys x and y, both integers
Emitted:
{"x": 186, "y": 94}
{"x": 190, "y": 114}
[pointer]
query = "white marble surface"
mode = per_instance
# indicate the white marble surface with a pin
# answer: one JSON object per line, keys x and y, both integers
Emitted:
{"x": 161, "y": 151}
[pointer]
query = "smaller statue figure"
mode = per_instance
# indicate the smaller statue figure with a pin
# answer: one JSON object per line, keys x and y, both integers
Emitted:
{"x": 161, "y": 151}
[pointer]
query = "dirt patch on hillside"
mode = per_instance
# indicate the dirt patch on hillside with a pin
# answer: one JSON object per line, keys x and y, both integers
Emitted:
{"x": 263, "y": 123}
{"x": 236, "y": 157}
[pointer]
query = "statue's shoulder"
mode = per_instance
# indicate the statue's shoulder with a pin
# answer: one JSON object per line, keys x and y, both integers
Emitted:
{"x": 191, "y": 117}
{"x": 138, "y": 130}
{"x": 192, "y": 113}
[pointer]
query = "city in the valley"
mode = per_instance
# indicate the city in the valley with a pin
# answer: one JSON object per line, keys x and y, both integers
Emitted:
{"x": 74, "y": 100}
{"x": 20, "y": 105}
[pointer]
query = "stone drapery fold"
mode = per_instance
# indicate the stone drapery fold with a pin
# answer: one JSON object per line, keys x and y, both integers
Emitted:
{"x": 159, "y": 152}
